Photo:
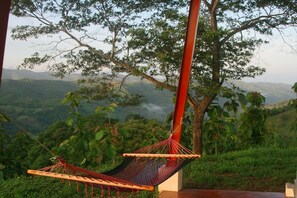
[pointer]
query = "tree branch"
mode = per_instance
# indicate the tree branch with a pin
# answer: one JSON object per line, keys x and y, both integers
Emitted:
{"x": 207, "y": 4}
{"x": 113, "y": 44}
{"x": 285, "y": 41}
{"x": 123, "y": 80}
{"x": 214, "y": 5}
{"x": 129, "y": 68}
{"x": 246, "y": 25}
{"x": 193, "y": 103}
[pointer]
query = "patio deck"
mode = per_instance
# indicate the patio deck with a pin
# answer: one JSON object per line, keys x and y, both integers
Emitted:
{"x": 200, "y": 193}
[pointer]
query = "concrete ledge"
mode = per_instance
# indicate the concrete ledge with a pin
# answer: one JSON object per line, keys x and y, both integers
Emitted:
{"x": 174, "y": 183}
{"x": 290, "y": 190}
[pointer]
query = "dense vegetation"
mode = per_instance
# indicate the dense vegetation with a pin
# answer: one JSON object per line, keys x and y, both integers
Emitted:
{"x": 36, "y": 104}
{"x": 145, "y": 38}
{"x": 88, "y": 141}
{"x": 231, "y": 159}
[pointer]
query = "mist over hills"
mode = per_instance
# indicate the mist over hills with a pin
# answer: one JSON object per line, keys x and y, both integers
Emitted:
{"x": 273, "y": 92}
{"x": 14, "y": 74}
{"x": 35, "y": 97}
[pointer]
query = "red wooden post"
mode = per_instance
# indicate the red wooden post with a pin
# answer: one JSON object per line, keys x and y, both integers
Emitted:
{"x": 185, "y": 69}
{"x": 4, "y": 13}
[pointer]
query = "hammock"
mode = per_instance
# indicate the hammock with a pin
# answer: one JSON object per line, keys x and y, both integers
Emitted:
{"x": 142, "y": 170}
{"x": 147, "y": 167}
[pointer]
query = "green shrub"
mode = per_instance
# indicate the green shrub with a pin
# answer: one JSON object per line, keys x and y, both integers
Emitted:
{"x": 21, "y": 187}
{"x": 41, "y": 187}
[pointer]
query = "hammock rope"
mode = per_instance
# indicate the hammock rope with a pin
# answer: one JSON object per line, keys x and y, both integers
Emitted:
{"x": 33, "y": 138}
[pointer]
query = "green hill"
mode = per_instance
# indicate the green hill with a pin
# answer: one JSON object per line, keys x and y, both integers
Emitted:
{"x": 282, "y": 125}
{"x": 259, "y": 169}
{"x": 35, "y": 104}
{"x": 273, "y": 92}
{"x": 14, "y": 74}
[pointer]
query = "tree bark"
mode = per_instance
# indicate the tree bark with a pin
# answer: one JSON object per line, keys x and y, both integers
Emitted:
{"x": 197, "y": 131}
{"x": 199, "y": 113}
{"x": 200, "y": 108}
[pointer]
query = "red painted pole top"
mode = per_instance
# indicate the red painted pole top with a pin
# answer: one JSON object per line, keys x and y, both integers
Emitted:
{"x": 4, "y": 13}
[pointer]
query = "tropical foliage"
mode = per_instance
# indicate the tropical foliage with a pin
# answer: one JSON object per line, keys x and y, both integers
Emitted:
{"x": 96, "y": 139}
{"x": 145, "y": 38}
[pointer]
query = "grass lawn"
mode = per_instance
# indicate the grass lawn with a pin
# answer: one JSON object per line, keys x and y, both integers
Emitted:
{"x": 282, "y": 124}
{"x": 262, "y": 169}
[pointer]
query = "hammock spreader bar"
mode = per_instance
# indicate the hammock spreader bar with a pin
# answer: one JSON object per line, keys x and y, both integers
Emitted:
{"x": 161, "y": 155}
{"x": 90, "y": 180}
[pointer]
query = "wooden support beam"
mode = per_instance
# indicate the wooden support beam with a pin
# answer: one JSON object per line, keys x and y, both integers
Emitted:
{"x": 185, "y": 70}
{"x": 4, "y": 13}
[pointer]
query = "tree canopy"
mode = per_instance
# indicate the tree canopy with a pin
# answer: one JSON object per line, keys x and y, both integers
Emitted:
{"x": 145, "y": 38}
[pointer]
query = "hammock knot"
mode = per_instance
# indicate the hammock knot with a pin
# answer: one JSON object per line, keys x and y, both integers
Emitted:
{"x": 61, "y": 160}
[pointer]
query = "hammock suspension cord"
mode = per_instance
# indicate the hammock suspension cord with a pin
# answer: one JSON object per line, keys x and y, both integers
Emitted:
{"x": 34, "y": 139}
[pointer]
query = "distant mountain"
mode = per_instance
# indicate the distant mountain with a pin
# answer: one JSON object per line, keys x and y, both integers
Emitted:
{"x": 35, "y": 104}
{"x": 273, "y": 92}
{"x": 33, "y": 99}
{"x": 14, "y": 74}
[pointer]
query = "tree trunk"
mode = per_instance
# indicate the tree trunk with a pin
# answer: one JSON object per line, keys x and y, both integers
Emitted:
{"x": 199, "y": 112}
{"x": 201, "y": 107}
{"x": 197, "y": 130}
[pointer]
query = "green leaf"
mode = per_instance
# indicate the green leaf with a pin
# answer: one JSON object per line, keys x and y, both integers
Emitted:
{"x": 110, "y": 150}
{"x": 295, "y": 87}
{"x": 3, "y": 118}
{"x": 69, "y": 121}
{"x": 124, "y": 132}
{"x": 98, "y": 109}
{"x": 83, "y": 161}
{"x": 99, "y": 135}
{"x": 242, "y": 99}
{"x": 86, "y": 144}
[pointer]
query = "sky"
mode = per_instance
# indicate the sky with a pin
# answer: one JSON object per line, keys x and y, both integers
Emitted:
{"x": 277, "y": 57}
